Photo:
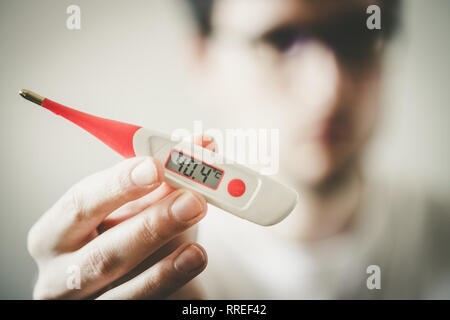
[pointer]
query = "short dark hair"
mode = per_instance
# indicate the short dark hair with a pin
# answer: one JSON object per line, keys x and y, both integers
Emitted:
{"x": 202, "y": 12}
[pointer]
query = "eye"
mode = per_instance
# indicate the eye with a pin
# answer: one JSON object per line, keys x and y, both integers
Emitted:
{"x": 353, "y": 46}
{"x": 350, "y": 39}
{"x": 283, "y": 39}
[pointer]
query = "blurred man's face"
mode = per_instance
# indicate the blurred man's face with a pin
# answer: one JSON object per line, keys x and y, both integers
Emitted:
{"x": 309, "y": 68}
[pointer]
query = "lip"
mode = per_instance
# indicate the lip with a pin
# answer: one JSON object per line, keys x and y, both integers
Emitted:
{"x": 329, "y": 132}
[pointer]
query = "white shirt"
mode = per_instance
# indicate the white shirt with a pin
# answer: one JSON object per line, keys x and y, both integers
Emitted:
{"x": 398, "y": 232}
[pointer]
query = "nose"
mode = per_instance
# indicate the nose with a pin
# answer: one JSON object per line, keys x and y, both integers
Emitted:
{"x": 317, "y": 80}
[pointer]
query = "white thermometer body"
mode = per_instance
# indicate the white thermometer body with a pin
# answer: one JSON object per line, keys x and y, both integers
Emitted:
{"x": 231, "y": 187}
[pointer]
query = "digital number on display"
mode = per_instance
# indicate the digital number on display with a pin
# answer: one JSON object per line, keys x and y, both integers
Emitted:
{"x": 194, "y": 169}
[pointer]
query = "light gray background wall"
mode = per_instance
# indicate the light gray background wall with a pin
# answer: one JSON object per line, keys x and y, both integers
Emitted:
{"x": 128, "y": 63}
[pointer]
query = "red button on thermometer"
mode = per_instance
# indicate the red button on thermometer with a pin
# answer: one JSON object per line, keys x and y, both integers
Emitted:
{"x": 236, "y": 187}
{"x": 231, "y": 187}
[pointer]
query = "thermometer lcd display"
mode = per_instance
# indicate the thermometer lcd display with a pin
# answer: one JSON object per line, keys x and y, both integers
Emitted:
{"x": 194, "y": 169}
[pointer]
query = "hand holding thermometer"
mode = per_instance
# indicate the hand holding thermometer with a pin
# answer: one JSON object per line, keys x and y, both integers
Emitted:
{"x": 231, "y": 187}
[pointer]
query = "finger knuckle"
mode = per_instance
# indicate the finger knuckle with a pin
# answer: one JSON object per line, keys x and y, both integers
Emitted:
{"x": 122, "y": 180}
{"x": 73, "y": 205}
{"x": 160, "y": 284}
{"x": 149, "y": 284}
{"x": 150, "y": 231}
{"x": 100, "y": 264}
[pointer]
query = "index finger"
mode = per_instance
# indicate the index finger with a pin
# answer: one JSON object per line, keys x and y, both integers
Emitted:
{"x": 74, "y": 218}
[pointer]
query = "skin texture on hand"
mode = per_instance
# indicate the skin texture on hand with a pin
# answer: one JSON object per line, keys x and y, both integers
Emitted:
{"x": 125, "y": 229}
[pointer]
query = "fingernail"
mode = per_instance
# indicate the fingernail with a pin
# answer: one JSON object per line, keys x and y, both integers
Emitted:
{"x": 189, "y": 260}
{"x": 186, "y": 207}
{"x": 145, "y": 173}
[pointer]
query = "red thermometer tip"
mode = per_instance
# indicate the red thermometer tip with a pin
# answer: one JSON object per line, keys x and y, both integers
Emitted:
{"x": 117, "y": 135}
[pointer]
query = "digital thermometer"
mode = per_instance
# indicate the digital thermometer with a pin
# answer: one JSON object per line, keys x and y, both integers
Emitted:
{"x": 229, "y": 186}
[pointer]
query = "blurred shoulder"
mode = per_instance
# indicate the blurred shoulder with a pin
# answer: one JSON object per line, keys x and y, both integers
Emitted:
{"x": 419, "y": 226}
{"x": 410, "y": 197}
{"x": 414, "y": 236}
{"x": 436, "y": 242}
